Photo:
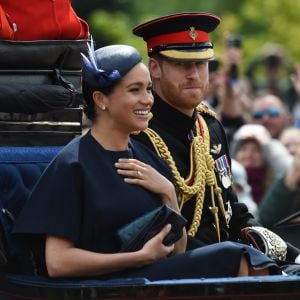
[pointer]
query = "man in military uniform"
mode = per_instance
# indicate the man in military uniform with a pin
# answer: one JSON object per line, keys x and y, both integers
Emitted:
{"x": 186, "y": 133}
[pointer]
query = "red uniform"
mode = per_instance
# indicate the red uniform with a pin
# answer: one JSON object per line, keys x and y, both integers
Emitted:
{"x": 6, "y": 29}
{"x": 43, "y": 20}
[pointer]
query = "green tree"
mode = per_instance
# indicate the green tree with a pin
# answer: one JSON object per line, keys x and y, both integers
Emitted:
{"x": 274, "y": 22}
{"x": 85, "y": 8}
{"x": 259, "y": 22}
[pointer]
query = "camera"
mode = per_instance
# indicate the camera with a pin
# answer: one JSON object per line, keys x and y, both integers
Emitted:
{"x": 213, "y": 65}
{"x": 234, "y": 73}
{"x": 273, "y": 61}
{"x": 234, "y": 41}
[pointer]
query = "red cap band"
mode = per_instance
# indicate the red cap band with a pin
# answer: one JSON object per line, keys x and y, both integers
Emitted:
{"x": 183, "y": 37}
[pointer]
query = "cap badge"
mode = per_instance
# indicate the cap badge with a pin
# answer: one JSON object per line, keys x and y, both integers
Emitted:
{"x": 193, "y": 33}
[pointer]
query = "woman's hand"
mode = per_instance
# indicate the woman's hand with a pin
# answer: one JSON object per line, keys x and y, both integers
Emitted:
{"x": 154, "y": 249}
{"x": 64, "y": 259}
{"x": 137, "y": 172}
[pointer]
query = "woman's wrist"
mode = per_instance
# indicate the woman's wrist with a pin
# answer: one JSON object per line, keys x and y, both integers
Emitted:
{"x": 169, "y": 197}
{"x": 144, "y": 258}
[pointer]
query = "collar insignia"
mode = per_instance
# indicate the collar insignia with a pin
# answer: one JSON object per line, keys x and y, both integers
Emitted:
{"x": 216, "y": 149}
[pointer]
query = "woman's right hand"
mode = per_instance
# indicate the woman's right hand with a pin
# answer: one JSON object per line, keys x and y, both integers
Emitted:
{"x": 154, "y": 249}
{"x": 140, "y": 173}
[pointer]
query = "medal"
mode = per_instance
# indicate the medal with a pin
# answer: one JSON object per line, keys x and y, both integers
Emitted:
{"x": 226, "y": 181}
{"x": 223, "y": 169}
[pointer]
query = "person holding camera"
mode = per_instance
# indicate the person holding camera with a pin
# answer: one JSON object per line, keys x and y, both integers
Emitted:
{"x": 235, "y": 104}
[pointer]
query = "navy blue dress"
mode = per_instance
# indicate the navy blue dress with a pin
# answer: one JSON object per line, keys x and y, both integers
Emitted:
{"x": 82, "y": 198}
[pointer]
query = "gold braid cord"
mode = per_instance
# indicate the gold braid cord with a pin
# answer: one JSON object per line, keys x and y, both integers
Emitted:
{"x": 201, "y": 174}
{"x": 202, "y": 108}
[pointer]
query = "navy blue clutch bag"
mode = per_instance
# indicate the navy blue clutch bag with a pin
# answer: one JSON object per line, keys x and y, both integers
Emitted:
{"x": 135, "y": 234}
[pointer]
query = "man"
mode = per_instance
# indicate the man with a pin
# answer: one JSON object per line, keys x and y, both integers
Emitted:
{"x": 269, "y": 111}
{"x": 187, "y": 134}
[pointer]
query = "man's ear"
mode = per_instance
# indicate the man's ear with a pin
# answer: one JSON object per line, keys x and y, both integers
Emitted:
{"x": 99, "y": 100}
{"x": 154, "y": 68}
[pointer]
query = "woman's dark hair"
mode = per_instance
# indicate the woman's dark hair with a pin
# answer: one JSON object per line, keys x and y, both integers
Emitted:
{"x": 87, "y": 91}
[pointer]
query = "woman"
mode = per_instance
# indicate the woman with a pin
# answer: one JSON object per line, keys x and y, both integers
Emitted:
{"x": 283, "y": 198}
{"x": 103, "y": 180}
{"x": 264, "y": 158}
{"x": 242, "y": 187}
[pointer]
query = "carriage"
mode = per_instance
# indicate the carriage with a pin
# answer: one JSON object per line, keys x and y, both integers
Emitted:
{"x": 40, "y": 111}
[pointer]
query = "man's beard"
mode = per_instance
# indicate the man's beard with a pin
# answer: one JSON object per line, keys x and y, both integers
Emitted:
{"x": 178, "y": 96}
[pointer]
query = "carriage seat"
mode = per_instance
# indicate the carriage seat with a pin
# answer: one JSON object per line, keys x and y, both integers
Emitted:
{"x": 20, "y": 168}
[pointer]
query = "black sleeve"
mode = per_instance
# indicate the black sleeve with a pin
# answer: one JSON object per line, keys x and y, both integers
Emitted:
{"x": 241, "y": 218}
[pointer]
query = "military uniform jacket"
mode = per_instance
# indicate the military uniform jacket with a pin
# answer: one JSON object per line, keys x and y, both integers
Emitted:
{"x": 175, "y": 128}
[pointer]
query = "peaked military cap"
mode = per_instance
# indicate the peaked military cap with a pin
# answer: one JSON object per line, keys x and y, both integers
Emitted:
{"x": 181, "y": 36}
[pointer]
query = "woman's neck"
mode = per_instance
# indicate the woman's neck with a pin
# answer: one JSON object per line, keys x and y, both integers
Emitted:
{"x": 110, "y": 139}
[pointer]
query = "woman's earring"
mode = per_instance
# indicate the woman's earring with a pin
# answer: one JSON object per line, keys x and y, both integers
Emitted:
{"x": 103, "y": 107}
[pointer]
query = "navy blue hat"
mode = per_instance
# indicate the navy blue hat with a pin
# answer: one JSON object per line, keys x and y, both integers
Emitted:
{"x": 181, "y": 36}
{"x": 107, "y": 65}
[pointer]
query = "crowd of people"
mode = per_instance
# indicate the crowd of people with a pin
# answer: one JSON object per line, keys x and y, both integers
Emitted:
{"x": 165, "y": 134}
{"x": 259, "y": 111}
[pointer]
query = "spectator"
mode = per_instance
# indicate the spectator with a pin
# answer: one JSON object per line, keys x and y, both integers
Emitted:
{"x": 242, "y": 187}
{"x": 295, "y": 78}
{"x": 264, "y": 158}
{"x": 214, "y": 90}
{"x": 269, "y": 111}
{"x": 283, "y": 200}
{"x": 269, "y": 73}
{"x": 234, "y": 101}
{"x": 290, "y": 138}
